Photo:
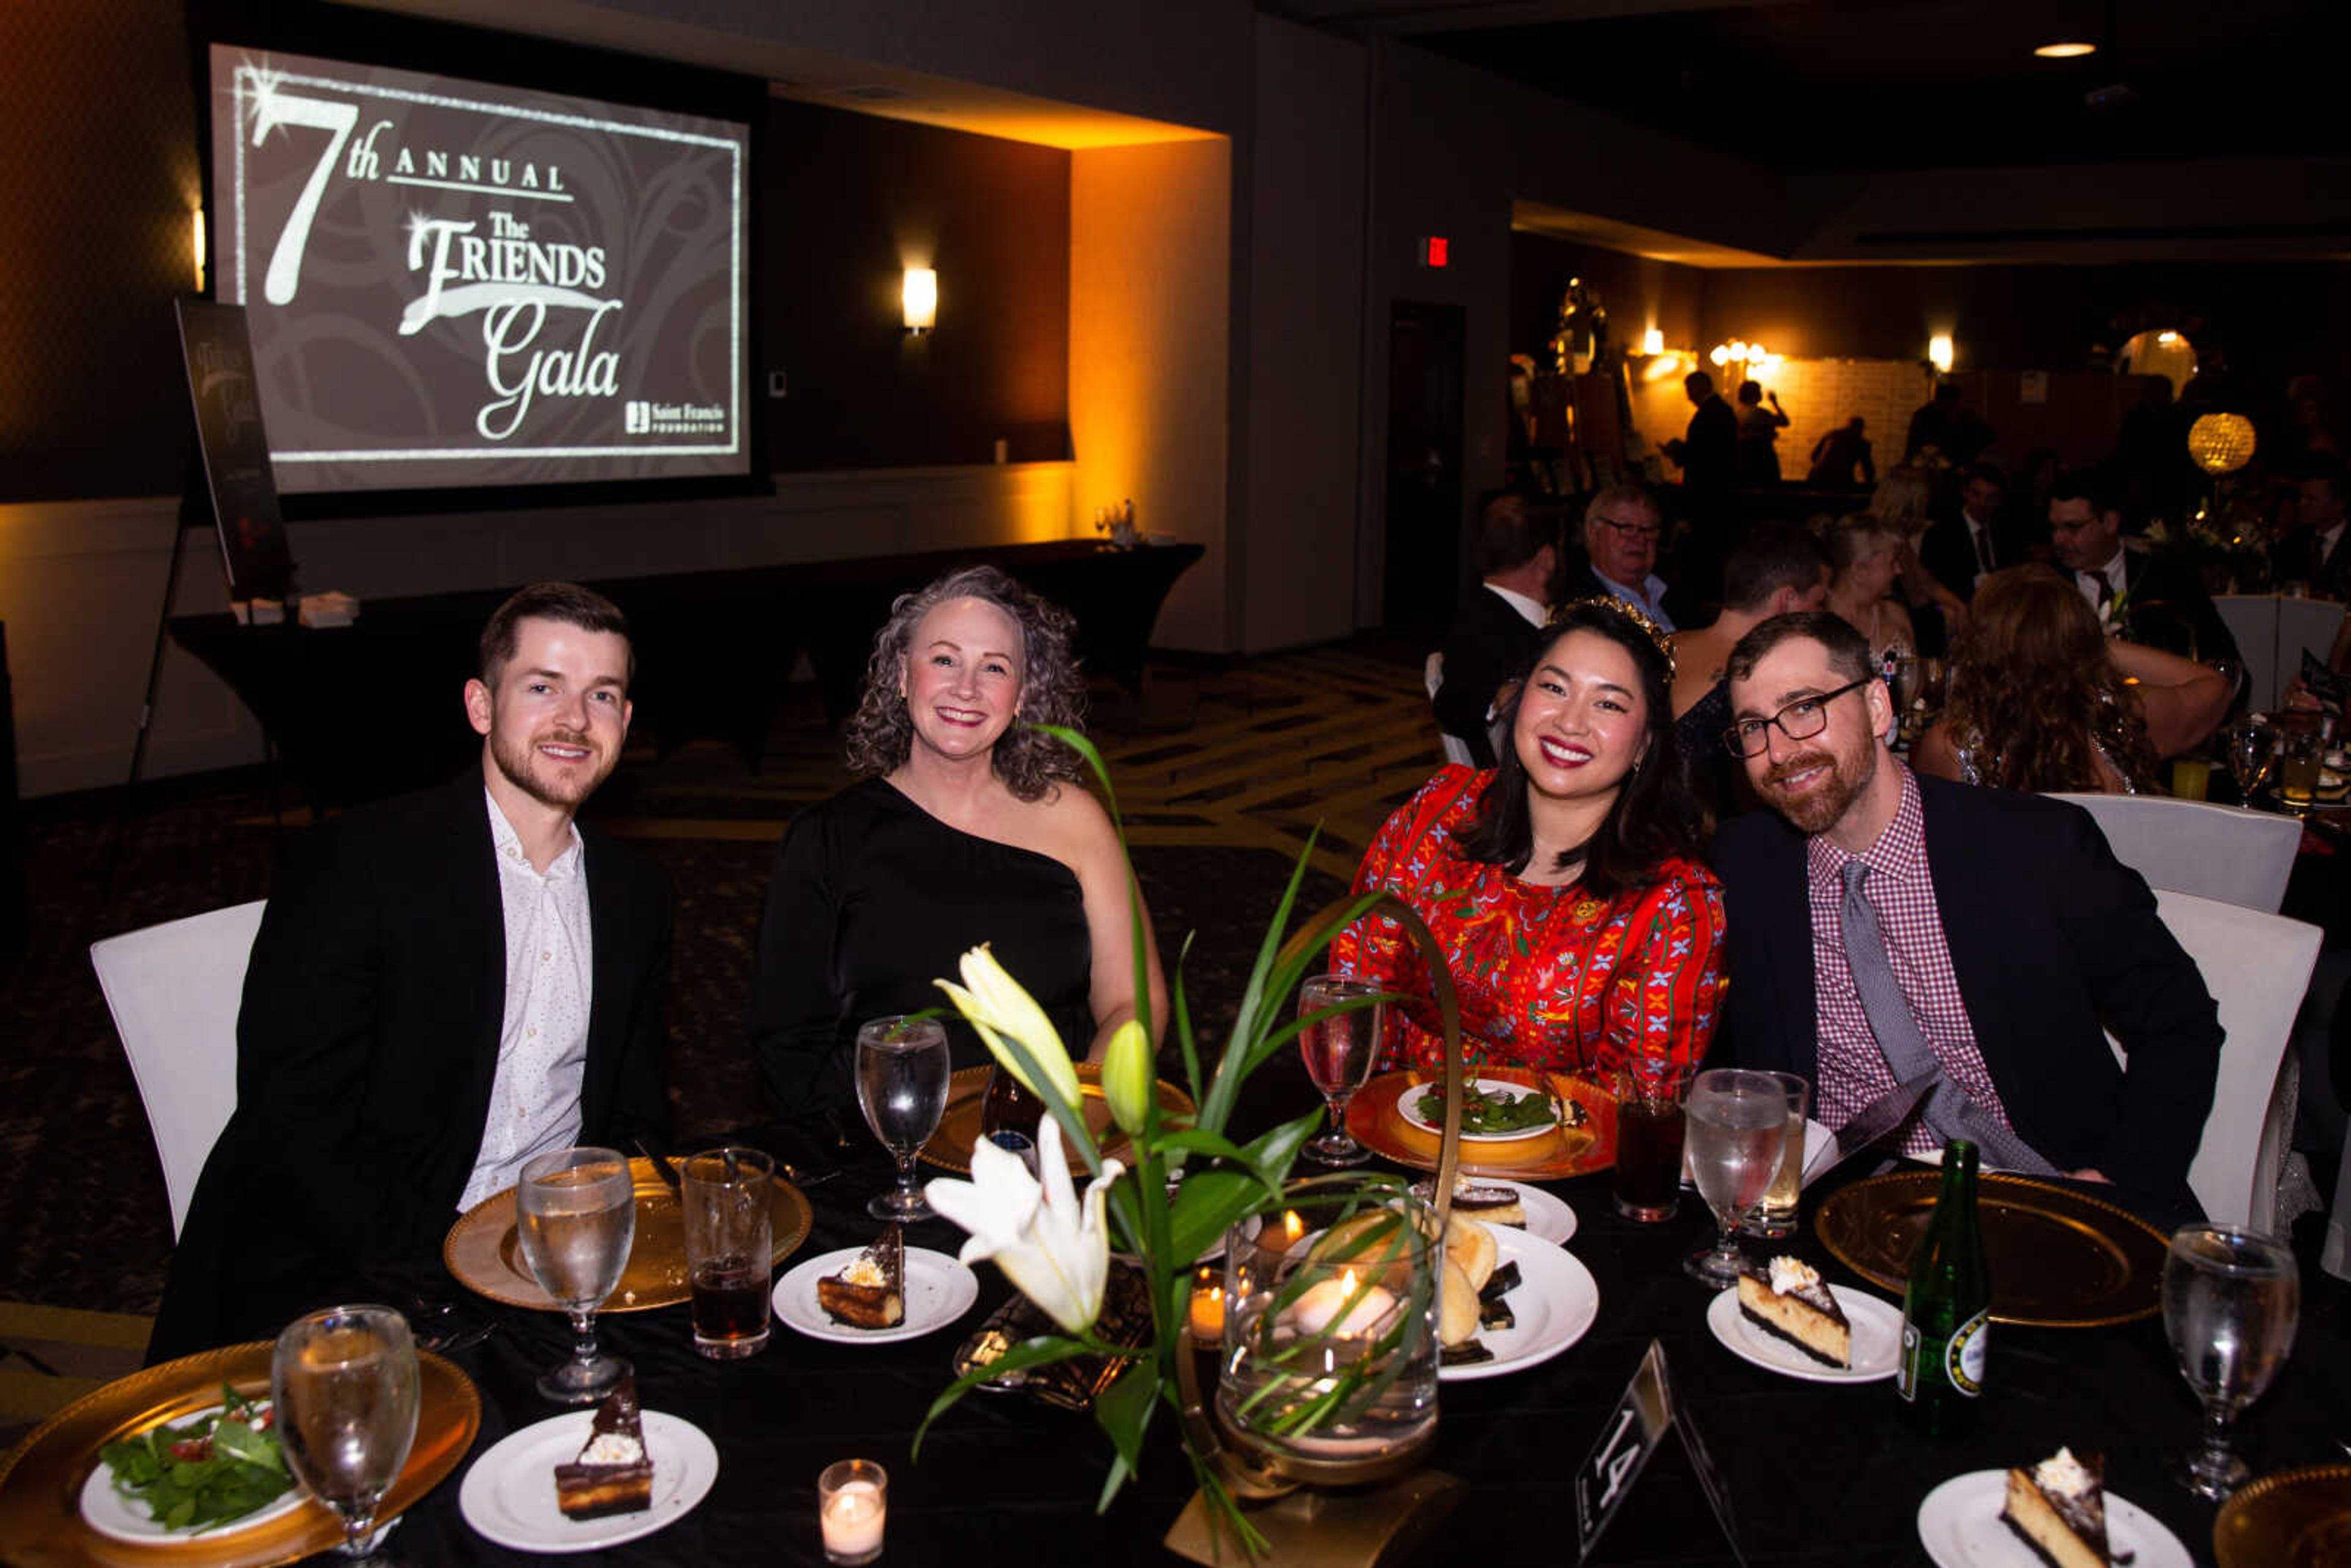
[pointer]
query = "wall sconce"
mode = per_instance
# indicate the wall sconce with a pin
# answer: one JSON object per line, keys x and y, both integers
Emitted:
{"x": 1939, "y": 353}
{"x": 1653, "y": 342}
{"x": 921, "y": 294}
{"x": 196, "y": 243}
{"x": 1744, "y": 360}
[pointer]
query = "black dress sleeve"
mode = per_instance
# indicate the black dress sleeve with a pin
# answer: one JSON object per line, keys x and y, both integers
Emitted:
{"x": 795, "y": 1005}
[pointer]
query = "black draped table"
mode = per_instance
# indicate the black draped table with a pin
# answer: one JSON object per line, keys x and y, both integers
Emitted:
{"x": 1817, "y": 1473}
{"x": 371, "y": 708}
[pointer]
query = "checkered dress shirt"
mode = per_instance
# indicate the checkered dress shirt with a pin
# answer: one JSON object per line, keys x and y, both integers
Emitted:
{"x": 1853, "y": 1070}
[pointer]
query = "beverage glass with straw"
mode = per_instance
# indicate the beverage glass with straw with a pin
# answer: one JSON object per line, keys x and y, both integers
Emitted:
{"x": 1339, "y": 1034}
{"x": 576, "y": 1215}
{"x": 724, "y": 1197}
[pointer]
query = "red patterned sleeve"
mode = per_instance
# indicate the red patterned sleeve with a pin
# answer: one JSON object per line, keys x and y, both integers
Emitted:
{"x": 1667, "y": 993}
{"x": 1374, "y": 948}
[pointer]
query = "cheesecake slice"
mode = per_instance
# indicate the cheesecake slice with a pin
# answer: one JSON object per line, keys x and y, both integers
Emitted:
{"x": 871, "y": 1293}
{"x": 612, "y": 1473}
{"x": 1787, "y": 1300}
{"x": 2058, "y": 1507}
{"x": 1494, "y": 1205}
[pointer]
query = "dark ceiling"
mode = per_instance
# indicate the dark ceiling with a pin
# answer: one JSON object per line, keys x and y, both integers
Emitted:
{"x": 1876, "y": 85}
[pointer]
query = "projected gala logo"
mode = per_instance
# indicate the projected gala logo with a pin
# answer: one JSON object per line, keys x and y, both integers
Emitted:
{"x": 511, "y": 279}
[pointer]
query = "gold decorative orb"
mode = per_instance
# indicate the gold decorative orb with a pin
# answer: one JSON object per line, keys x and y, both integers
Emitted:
{"x": 2221, "y": 442}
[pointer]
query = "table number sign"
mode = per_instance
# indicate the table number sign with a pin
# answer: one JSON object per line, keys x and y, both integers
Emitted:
{"x": 1638, "y": 1426}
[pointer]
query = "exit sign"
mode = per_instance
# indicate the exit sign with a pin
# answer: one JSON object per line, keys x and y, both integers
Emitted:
{"x": 1434, "y": 250}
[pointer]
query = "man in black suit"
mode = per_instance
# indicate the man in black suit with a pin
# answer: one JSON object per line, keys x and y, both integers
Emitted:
{"x": 1962, "y": 550}
{"x": 2313, "y": 552}
{"x": 2147, "y": 599}
{"x": 1497, "y": 628}
{"x": 443, "y": 986}
{"x": 1707, "y": 450}
{"x": 1876, "y": 917}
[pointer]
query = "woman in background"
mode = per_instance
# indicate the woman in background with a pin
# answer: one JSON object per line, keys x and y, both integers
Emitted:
{"x": 1866, "y": 556}
{"x": 1562, "y": 885}
{"x": 2041, "y": 699}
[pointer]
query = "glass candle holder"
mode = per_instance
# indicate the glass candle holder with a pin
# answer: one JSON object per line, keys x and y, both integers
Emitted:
{"x": 853, "y": 1504}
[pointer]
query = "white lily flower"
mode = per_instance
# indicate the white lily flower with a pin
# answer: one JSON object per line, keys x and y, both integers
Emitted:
{"x": 998, "y": 1007}
{"x": 1051, "y": 1244}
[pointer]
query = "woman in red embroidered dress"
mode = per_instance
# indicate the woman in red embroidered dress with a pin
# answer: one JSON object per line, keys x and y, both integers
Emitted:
{"x": 1562, "y": 885}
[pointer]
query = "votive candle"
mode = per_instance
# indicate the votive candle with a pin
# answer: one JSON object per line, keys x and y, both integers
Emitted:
{"x": 852, "y": 1505}
{"x": 1207, "y": 1308}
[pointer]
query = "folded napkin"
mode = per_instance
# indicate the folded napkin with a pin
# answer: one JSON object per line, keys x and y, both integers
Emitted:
{"x": 329, "y": 608}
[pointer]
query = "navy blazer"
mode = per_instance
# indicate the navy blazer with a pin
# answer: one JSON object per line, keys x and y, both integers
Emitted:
{"x": 367, "y": 1045}
{"x": 2051, "y": 939}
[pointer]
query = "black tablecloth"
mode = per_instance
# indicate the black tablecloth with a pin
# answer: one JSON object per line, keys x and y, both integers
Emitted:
{"x": 1817, "y": 1473}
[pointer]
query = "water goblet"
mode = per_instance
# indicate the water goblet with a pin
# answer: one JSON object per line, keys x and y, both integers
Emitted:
{"x": 1339, "y": 1036}
{"x": 1737, "y": 1125}
{"x": 902, "y": 1087}
{"x": 2231, "y": 1301}
{"x": 2251, "y": 748}
{"x": 576, "y": 1212}
{"x": 343, "y": 1384}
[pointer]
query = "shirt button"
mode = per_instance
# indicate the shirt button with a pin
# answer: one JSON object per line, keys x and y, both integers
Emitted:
{"x": 545, "y": 955}
{"x": 530, "y": 1034}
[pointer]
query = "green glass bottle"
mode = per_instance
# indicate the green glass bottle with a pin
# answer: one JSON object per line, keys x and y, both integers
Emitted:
{"x": 1947, "y": 1307}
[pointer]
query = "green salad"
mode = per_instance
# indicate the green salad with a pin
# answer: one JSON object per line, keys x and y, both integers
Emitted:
{"x": 219, "y": 1466}
{"x": 1487, "y": 1112}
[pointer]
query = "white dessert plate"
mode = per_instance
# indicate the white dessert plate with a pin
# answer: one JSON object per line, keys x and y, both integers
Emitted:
{"x": 117, "y": 1518}
{"x": 1549, "y": 1218}
{"x": 509, "y": 1493}
{"x": 1555, "y": 1303}
{"x": 1960, "y": 1523}
{"x": 1408, "y": 1108}
{"x": 938, "y": 1290}
{"x": 1876, "y": 1339}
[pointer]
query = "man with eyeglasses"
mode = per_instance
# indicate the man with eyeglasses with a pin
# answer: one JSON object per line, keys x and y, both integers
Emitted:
{"x": 1620, "y": 529}
{"x": 1884, "y": 928}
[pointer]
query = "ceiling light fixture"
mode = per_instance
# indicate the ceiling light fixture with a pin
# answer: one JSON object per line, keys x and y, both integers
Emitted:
{"x": 2065, "y": 51}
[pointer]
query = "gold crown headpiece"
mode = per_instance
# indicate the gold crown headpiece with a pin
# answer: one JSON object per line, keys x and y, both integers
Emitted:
{"x": 1661, "y": 639}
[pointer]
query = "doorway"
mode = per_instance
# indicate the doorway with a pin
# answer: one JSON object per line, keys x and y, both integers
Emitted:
{"x": 1424, "y": 465}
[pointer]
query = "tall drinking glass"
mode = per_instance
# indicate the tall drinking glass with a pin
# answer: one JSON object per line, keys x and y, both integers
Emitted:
{"x": 1776, "y": 1217}
{"x": 2230, "y": 1301}
{"x": 902, "y": 1087}
{"x": 344, "y": 1384}
{"x": 576, "y": 1210}
{"x": 1647, "y": 1183}
{"x": 1738, "y": 1123}
{"x": 1340, "y": 1049}
{"x": 723, "y": 1196}
{"x": 2251, "y": 749}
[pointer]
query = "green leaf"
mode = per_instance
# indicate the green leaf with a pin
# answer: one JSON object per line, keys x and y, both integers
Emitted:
{"x": 1123, "y": 1410}
{"x": 1042, "y": 1351}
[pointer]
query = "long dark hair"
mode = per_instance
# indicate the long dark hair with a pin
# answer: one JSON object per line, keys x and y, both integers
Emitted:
{"x": 1655, "y": 814}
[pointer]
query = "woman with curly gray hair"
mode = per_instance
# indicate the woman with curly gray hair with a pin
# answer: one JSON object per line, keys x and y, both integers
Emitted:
{"x": 966, "y": 826}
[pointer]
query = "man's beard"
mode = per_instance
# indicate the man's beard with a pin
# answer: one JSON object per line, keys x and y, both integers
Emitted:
{"x": 514, "y": 763}
{"x": 1819, "y": 809}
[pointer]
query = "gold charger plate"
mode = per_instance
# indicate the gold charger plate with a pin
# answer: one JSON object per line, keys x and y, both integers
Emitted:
{"x": 950, "y": 1146}
{"x": 483, "y": 1250}
{"x": 2295, "y": 1519}
{"x": 1554, "y": 1151}
{"x": 41, "y": 1480}
{"x": 2058, "y": 1259}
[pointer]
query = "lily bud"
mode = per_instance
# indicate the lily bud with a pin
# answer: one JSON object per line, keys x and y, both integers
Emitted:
{"x": 1126, "y": 1076}
{"x": 999, "y": 1009}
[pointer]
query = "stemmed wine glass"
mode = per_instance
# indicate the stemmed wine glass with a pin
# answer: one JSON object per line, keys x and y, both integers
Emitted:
{"x": 2230, "y": 1300}
{"x": 576, "y": 1210}
{"x": 344, "y": 1383}
{"x": 1736, "y": 1126}
{"x": 902, "y": 1087}
{"x": 1340, "y": 1047}
{"x": 2253, "y": 748}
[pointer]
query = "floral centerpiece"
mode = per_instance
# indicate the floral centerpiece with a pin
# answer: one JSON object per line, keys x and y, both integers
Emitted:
{"x": 1053, "y": 1241}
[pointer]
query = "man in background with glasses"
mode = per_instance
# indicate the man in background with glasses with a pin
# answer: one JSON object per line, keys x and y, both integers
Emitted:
{"x": 1883, "y": 928}
{"x": 1621, "y": 529}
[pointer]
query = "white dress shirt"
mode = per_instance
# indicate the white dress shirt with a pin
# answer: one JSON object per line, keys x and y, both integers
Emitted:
{"x": 2112, "y": 574}
{"x": 543, "y": 1038}
{"x": 1534, "y": 611}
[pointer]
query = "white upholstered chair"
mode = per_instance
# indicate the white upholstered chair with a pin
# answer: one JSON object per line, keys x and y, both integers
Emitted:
{"x": 174, "y": 990}
{"x": 1456, "y": 749}
{"x": 2226, "y": 852}
{"x": 2253, "y": 621}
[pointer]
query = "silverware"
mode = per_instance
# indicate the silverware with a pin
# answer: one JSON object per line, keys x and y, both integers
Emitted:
{"x": 1871, "y": 1123}
{"x": 662, "y": 1167}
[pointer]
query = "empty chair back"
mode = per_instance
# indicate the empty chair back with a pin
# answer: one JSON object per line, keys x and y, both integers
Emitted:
{"x": 2253, "y": 621}
{"x": 2226, "y": 852}
{"x": 174, "y": 990}
{"x": 1432, "y": 676}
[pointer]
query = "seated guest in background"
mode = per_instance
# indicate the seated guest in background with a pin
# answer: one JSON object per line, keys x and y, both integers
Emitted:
{"x": 1901, "y": 502}
{"x": 2147, "y": 598}
{"x": 442, "y": 988}
{"x": 2040, "y": 698}
{"x": 2313, "y": 552}
{"x": 1776, "y": 568}
{"x": 1578, "y": 926}
{"x": 1866, "y": 556}
{"x": 1755, "y": 459}
{"x": 1885, "y": 927}
{"x": 967, "y": 826}
{"x": 1495, "y": 631}
{"x": 1621, "y": 528}
{"x": 1837, "y": 456}
{"x": 1962, "y": 550}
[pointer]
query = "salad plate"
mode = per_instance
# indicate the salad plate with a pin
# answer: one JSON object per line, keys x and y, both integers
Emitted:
{"x": 1537, "y": 1118}
{"x": 106, "y": 1509}
{"x": 1587, "y": 1142}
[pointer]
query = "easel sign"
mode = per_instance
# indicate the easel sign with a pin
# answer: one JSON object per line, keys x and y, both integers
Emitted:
{"x": 1636, "y": 1428}
{"x": 219, "y": 360}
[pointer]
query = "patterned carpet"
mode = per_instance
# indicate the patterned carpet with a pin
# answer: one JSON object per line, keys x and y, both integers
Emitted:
{"x": 1222, "y": 775}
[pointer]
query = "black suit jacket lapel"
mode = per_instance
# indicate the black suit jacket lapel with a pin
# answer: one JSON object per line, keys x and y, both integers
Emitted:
{"x": 1791, "y": 965}
{"x": 478, "y": 937}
